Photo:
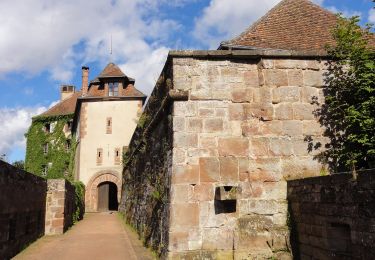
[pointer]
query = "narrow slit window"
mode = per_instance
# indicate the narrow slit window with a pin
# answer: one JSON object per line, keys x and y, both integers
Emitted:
{"x": 44, "y": 170}
{"x": 99, "y": 156}
{"x": 109, "y": 125}
{"x": 117, "y": 156}
{"x": 45, "y": 149}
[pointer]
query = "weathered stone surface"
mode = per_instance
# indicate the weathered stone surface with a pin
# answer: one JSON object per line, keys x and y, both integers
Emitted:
{"x": 262, "y": 95}
{"x": 303, "y": 111}
{"x": 194, "y": 125}
{"x": 251, "y": 78}
{"x": 235, "y": 146}
{"x": 281, "y": 147}
{"x": 313, "y": 78}
{"x": 229, "y": 171}
{"x": 292, "y": 128}
{"x": 284, "y": 111}
{"x": 184, "y": 216}
{"x": 185, "y": 174}
{"x": 242, "y": 95}
{"x": 274, "y": 77}
{"x": 209, "y": 169}
{"x": 185, "y": 140}
{"x": 178, "y": 124}
{"x": 295, "y": 77}
{"x": 259, "y": 146}
{"x": 213, "y": 125}
{"x": 286, "y": 94}
{"x": 22, "y": 199}
{"x": 290, "y": 64}
{"x": 326, "y": 214}
{"x": 299, "y": 167}
{"x": 217, "y": 238}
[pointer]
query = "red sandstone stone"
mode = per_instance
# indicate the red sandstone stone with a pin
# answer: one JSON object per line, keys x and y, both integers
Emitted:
{"x": 233, "y": 146}
{"x": 185, "y": 174}
{"x": 209, "y": 169}
{"x": 229, "y": 169}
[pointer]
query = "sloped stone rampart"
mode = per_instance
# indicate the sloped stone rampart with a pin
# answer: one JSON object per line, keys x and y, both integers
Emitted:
{"x": 145, "y": 200}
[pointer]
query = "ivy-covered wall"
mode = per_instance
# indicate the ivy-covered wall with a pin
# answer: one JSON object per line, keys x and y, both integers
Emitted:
{"x": 146, "y": 177}
{"x": 58, "y": 159}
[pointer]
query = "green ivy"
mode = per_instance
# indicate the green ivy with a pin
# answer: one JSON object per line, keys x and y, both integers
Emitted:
{"x": 79, "y": 201}
{"x": 62, "y": 160}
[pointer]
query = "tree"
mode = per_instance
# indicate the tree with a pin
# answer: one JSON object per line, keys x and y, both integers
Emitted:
{"x": 348, "y": 113}
{"x": 19, "y": 164}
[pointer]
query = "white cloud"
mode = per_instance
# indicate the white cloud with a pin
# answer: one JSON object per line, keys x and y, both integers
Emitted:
{"x": 55, "y": 35}
{"x": 319, "y": 2}
{"x": 346, "y": 13}
{"x": 371, "y": 16}
{"x": 15, "y": 123}
{"x": 222, "y": 19}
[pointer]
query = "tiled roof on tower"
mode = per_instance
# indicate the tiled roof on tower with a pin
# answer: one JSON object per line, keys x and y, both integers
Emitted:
{"x": 113, "y": 71}
{"x": 298, "y": 25}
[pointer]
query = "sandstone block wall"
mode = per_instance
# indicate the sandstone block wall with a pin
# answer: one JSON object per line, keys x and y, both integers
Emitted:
{"x": 242, "y": 132}
{"x": 22, "y": 209}
{"x": 333, "y": 217}
{"x": 60, "y": 206}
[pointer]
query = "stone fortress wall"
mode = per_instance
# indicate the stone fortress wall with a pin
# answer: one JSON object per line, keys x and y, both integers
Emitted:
{"x": 333, "y": 217}
{"x": 238, "y": 136}
{"x": 30, "y": 207}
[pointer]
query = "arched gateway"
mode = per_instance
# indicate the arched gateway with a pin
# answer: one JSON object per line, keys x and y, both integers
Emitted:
{"x": 103, "y": 192}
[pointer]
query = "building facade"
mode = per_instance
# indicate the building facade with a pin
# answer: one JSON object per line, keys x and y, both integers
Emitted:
{"x": 229, "y": 129}
{"x": 95, "y": 125}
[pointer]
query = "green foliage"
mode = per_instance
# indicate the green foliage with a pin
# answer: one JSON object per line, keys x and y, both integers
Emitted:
{"x": 62, "y": 159}
{"x": 19, "y": 164}
{"x": 79, "y": 201}
{"x": 348, "y": 114}
{"x": 143, "y": 120}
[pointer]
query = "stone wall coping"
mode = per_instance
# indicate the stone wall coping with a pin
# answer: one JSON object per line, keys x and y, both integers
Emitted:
{"x": 363, "y": 177}
{"x": 240, "y": 54}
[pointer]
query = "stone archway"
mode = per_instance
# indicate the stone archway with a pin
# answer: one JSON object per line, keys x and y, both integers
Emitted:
{"x": 91, "y": 197}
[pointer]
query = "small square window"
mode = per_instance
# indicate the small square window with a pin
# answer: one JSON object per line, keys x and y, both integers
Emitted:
{"x": 47, "y": 128}
{"x": 113, "y": 89}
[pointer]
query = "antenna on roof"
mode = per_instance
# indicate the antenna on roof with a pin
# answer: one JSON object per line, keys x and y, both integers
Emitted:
{"x": 110, "y": 51}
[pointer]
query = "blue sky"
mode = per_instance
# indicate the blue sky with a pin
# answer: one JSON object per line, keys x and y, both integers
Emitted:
{"x": 44, "y": 43}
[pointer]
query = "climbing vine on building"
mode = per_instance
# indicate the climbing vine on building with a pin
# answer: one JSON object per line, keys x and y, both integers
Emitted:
{"x": 50, "y": 148}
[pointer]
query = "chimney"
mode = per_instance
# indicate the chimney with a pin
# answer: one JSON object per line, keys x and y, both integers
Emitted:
{"x": 85, "y": 80}
{"x": 66, "y": 91}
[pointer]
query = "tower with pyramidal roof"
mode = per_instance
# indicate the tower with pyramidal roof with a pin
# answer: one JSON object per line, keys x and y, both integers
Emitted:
{"x": 85, "y": 134}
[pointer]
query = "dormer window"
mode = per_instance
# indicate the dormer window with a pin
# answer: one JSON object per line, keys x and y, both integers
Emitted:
{"x": 113, "y": 89}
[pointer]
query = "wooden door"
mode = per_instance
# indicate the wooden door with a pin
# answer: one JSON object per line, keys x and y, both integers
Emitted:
{"x": 103, "y": 196}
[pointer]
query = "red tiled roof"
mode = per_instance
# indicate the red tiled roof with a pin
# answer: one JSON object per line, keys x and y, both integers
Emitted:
{"x": 64, "y": 107}
{"x": 131, "y": 91}
{"x": 111, "y": 70}
{"x": 291, "y": 25}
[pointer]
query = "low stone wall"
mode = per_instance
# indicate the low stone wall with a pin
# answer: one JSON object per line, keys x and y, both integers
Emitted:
{"x": 333, "y": 217}
{"x": 60, "y": 206}
{"x": 22, "y": 209}
{"x": 147, "y": 172}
